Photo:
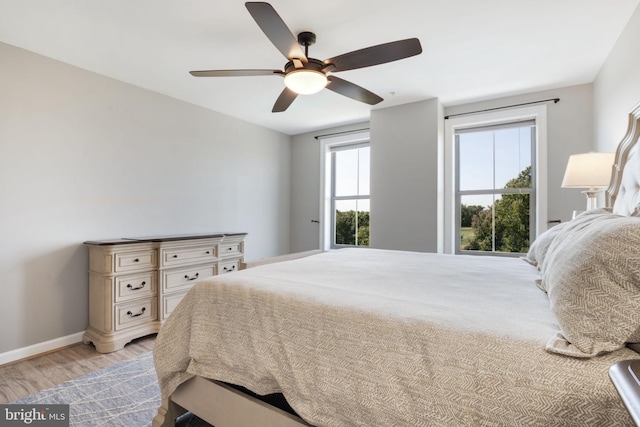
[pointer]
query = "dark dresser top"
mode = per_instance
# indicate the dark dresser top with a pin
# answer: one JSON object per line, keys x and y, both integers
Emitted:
{"x": 108, "y": 242}
{"x": 164, "y": 238}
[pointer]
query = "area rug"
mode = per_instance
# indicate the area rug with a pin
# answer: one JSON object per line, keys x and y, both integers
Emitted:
{"x": 125, "y": 394}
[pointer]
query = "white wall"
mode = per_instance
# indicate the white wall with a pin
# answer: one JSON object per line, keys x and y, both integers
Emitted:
{"x": 404, "y": 176}
{"x": 617, "y": 87}
{"x": 85, "y": 157}
{"x": 403, "y": 179}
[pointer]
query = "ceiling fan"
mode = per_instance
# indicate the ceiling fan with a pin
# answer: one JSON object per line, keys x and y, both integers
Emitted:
{"x": 305, "y": 75}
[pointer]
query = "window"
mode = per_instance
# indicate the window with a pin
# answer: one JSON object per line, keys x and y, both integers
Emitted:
{"x": 350, "y": 195}
{"x": 489, "y": 163}
{"x": 344, "y": 201}
{"x": 495, "y": 193}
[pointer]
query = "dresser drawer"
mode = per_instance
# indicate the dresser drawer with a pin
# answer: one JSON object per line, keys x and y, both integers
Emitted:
{"x": 184, "y": 278}
{"x": 136, "y": 286}
{"x": 189, "y": 255}
{"x": 230, "y": 249}
{"x": 131, "y": 261}
{"x": 170, "y": 302}
{"x": 135, "y": 313}
{"x": 229, "y": 266}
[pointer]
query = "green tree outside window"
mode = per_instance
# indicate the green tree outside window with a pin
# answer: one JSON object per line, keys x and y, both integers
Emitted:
{"x": 511, "y": 212}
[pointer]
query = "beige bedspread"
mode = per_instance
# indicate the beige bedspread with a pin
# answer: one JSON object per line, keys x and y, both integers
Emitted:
{"x": 364, "y": 337}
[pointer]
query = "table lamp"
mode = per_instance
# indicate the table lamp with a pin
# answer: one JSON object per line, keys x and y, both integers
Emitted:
{"x": 591, "y": 171}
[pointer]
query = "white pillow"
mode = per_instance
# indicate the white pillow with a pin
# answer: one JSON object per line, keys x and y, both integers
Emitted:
{"x": 538, "y": 250}
{"x": 585, "y": 219}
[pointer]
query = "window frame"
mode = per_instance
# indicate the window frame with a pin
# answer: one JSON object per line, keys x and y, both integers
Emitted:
{"x": 531, "y": 191}
{"x": 447, "y": 168}
{"x": 327, "y": 143}
{"x": 334, "y": 198}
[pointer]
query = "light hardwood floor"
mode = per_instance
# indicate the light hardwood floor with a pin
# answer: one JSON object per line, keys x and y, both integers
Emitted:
{"x": 25, "y": 377}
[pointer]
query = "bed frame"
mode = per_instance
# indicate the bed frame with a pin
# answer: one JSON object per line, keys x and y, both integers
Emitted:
{"x": 224, "y": 406}
{"x": 627, "y": 152}
{"x": 221, "y": 405}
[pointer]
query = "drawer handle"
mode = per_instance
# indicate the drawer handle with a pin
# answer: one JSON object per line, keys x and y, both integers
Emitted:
{"x": 175, "y": 256}
{"x": 136, "y": 260}
{"x": 229, "y": 248}
{"x": 131, "y": 288}
{"x": 130, "y": 314}
{"x": 186, "y": 276}
{"x": 229, "y": 269}
{"x": 208, "y": 252}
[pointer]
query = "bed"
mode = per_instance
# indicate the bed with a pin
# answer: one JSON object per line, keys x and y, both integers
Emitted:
{"x": 368, "y": 337}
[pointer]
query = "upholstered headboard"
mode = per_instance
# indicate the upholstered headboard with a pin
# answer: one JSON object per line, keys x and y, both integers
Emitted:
{"x": 623, "y": 193}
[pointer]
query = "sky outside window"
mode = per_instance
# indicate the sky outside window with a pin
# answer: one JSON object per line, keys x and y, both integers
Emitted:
{"x": 352, "y": 172}
{"x": 490, "y": 159}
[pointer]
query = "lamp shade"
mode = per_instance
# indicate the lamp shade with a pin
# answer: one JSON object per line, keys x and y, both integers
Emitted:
{"x": 588, "y": 170}
{"x": 305, "y": 82}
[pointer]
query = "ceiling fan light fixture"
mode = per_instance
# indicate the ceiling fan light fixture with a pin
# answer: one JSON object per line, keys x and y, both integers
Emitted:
{"x": 305, "y": 82}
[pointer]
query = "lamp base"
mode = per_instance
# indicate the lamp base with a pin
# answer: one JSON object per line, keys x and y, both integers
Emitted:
{"x": 592, "y": 201}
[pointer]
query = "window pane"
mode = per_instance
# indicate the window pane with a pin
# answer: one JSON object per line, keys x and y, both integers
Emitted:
{"x": 499, "y": 224}
{"x": 513, "y": 157}
{"x": 512, "y": 223}
{"x": 363, "y": 222}
{"x": 345, "y": 221}
{"x": 363, "y": 171}
{"x": 352, "y": 172}
{"x": 346, "y": 164}
{"x": 476, "y": 223}
{"x": 475, "y": 154}
{"x": 352, "y": 222}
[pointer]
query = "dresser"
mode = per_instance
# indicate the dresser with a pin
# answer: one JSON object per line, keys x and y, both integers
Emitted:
{"x": 135, "y": 283}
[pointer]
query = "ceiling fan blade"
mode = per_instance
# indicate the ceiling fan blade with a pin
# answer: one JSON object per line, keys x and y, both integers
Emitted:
{"x": 374, "y": 55}
{"x": 276, "y": 30}
{"x": 284, "y": 100}
{"x": 234, "y": 73}
{"x": 351, "y": 90}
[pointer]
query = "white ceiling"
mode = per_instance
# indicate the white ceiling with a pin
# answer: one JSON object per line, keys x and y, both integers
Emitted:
{"x": 472, "y": 50}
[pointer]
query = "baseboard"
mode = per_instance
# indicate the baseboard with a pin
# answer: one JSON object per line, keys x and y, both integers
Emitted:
{"x": 43, "y": 347}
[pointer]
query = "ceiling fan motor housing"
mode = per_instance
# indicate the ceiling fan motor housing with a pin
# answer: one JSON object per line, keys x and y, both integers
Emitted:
{"x": 306, "y": 38}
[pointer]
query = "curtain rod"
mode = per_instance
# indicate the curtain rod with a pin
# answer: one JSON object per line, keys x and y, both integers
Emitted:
{"x": 340, "y": 133}
{"x": 555, "y": 101}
